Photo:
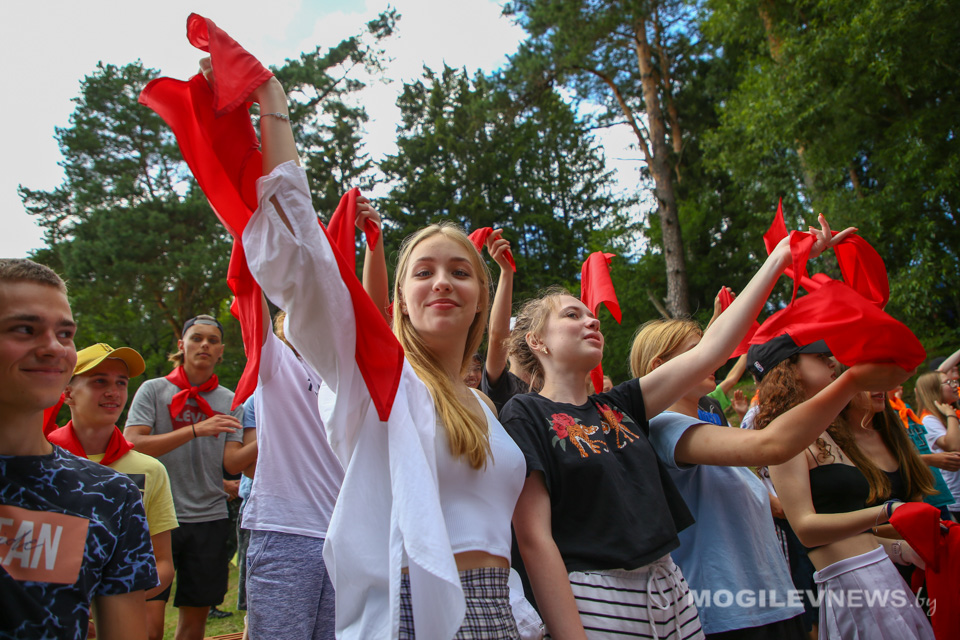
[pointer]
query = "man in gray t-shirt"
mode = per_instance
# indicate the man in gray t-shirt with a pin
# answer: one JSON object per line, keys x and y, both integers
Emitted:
{"x": 184, "y": 420}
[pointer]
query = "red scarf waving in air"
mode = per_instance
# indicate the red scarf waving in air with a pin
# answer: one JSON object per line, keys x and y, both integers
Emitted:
{"x": 848, "y": 315}
{"x": 596, "y": 287}
{"x": 218, "y": 142}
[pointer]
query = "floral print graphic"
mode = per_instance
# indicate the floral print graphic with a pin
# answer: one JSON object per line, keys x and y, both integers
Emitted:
{"x": 566, "y": 427}
{"x": 612, "y": 420}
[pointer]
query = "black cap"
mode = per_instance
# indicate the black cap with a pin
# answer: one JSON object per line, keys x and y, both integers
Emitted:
{"x": 761, "y": 358}
{"x": 202, "y": 319}
{"x": 936, "y": 362}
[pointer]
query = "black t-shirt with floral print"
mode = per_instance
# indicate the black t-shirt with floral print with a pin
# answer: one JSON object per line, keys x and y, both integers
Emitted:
{"x": 613, "y": 504}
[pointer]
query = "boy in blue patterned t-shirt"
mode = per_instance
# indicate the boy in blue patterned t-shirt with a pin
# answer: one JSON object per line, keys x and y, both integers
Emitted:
{"x": 71, "y": 531}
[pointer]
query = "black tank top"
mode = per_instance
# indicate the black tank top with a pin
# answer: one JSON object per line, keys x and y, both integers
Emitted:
{"x": 838, "y": 488}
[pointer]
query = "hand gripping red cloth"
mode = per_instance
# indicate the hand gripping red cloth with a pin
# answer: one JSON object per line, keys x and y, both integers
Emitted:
{"x": 479, "y": 238}
{"x": 937, "y": 542}
{"x": 596, "y": 287}
{"x": 847, "y": 315}
{"x": 187, "y": 391}
{"x": 726, "y": 299}
{"x": 66, "y": 437}
{"x": 220, "y": 146}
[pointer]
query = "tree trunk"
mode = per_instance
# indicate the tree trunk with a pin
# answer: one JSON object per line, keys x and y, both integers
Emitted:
{"x": 677, "y": 295}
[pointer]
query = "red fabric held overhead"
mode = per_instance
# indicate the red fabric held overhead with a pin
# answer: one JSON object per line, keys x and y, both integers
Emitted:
{"x": 596, "y": 287}
{"x": 847, "y": 315}
{"x": 479, "y": 238}
{"x": 341, "y": 232}
{"x": 220, "y": 146}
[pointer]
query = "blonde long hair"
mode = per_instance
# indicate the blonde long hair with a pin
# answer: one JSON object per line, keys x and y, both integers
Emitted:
{"x": 659, "y": 339}
{"x": 467, "y": 432}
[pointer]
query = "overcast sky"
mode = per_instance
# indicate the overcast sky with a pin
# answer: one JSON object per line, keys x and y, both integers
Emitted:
{"x": 50, "y": 45}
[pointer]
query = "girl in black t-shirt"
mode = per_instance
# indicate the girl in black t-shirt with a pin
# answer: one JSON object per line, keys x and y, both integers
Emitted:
{"x": 596, "y": 498}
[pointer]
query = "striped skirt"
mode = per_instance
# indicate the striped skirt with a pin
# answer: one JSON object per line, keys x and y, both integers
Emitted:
{"x": 650, "y": 602}
{"x": 488, "y": 615}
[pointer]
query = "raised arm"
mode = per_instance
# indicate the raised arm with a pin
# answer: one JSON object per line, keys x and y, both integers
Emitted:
{"x": 950, "y": 441}
{"x": 500, "y": 311}
{"x": 666, "y": 384}
{"x": 375, "y": 281}
{"x": 789, "y": 433}
{"x": 952, "y": 360}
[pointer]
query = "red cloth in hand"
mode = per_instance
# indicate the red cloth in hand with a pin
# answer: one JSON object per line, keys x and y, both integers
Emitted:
{"x": 596, "y": 287}
{"x": 66, "y": 438}
{"x": 179, "y": 378}
{"x": 241, "y": 72}
{"x": 937, "y": 542}
{"x": 726, "y": 299}
{"x": 50, "y": 416}
{"x": 220, "y": 146}
{"x": 479, "y": 238}
{"x": 378, "y": 353}
{"x": 341, "y": 232}
{"x": 848, "y": 318}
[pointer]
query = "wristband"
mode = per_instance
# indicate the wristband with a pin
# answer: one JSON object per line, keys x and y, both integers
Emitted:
{"x": 194, "y": 430}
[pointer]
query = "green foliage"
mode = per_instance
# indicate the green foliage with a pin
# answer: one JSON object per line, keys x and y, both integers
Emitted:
{"x": 851, "y": 109}
{"x": 467, "y": 152}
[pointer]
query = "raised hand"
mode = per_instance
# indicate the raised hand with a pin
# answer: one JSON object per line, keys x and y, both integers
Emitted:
{"x": 825, "y": 238}
{"x": 877, "y": 376}
{"x": 498, "y": 248}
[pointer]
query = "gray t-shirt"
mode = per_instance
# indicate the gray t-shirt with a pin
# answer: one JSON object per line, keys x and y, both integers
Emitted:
{"x": 196, "y": 467}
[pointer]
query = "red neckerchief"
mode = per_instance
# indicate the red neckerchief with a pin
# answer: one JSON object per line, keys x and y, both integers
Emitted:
{"x": 596, "y": 287}
{"x": 847, "y": 315}
{"x": 50, "y": 416}
{"x": 179, "y": 377}
{"x": 66, "y": 437}
{"x": 220, "y": 146}
{"x": 479, "y": 238}
{"x": 906, "y": 413}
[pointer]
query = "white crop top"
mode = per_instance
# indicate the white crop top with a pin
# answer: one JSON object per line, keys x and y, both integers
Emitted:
{"x": 478, "y": 504}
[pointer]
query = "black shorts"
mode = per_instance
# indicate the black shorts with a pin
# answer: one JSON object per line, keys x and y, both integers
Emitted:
{"x": 201, "y": 562}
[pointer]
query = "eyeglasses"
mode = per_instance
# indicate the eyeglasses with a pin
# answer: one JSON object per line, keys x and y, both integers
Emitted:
{"x": 951, "y": 383}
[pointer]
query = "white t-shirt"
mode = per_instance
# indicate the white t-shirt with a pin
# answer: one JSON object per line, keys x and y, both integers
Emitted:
{"x": 936, "y": 430}
{"x": 298, "y": 476}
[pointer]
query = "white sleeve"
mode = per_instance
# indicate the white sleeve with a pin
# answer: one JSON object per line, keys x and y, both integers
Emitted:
{"x": 935, "y": 431}
{"x": 297, "y": 269}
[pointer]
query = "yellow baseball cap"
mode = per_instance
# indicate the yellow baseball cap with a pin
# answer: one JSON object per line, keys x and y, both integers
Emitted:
{"x": 89, "y": 358}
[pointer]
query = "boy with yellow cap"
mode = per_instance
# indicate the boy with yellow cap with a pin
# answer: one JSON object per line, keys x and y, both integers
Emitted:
{"x": 97, "y": 395}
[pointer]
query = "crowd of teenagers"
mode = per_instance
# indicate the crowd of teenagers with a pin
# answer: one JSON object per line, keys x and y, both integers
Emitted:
{"x": 398, "y": 484}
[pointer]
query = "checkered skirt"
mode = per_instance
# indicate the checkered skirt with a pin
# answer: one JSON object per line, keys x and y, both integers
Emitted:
{"x": 488, "y": 616}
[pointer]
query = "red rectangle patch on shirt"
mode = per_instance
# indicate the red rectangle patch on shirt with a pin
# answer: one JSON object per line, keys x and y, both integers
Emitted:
{"x": 41, "y": 546}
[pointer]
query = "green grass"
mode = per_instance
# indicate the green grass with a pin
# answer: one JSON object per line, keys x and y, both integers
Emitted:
{"x": 215, "y": 627}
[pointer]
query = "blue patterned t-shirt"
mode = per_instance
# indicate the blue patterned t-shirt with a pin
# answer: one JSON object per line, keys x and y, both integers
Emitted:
{"x": 70, "y": 530}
